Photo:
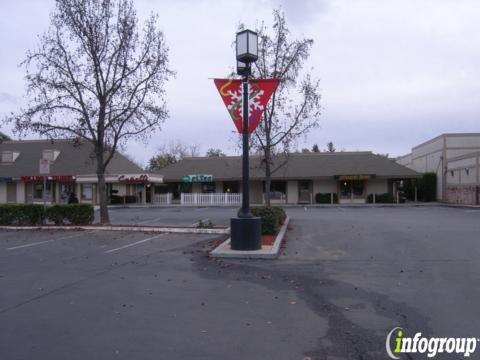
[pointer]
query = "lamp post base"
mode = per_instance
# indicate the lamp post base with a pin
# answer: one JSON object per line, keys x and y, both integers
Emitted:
{"x": 245, "y": 233}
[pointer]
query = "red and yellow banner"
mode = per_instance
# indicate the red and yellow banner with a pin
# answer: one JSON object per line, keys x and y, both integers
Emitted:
{"x": 260, "y": 91}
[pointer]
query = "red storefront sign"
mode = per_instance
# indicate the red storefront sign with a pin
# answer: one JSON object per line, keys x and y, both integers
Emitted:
{"x": 60, "y": 178}
{"x": 133, "y": 179}
{"x": 260, "y": 91}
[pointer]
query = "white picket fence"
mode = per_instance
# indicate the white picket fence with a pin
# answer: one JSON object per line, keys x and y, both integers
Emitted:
{"x": 163, "y": 199}
{"x": 210, "y": 199}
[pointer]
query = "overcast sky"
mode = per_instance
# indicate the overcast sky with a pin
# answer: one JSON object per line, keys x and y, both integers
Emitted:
{"x": 393, "y": 73}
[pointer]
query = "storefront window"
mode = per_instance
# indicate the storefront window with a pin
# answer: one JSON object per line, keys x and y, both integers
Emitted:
{"x": 231, "y": 187}
{"x": 87, "y": 191}
{"x": 347, "y": 187}
{"x": 278, "y": 189}
{"x": 357, "y": 186}
{"x": 38, "y": 191}
{"x": 208, "y": 187}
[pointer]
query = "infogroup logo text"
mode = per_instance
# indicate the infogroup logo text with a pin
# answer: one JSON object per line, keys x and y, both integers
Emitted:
{"x": 430, "y": 346}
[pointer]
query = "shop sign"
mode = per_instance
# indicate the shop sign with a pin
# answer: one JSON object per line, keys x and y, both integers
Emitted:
{"x": 44, "y": 167}
{"x": 133, "y": 179}
{"x": 353, "y": 177}
{"x": 61, "y": 178}
{"x": 5, "y": 178}
{"x": 197, "y": 178}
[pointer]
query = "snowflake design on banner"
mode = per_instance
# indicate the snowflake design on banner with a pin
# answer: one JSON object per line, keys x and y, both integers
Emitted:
{"x": 253, "y": 100}
{"x": 231, "y": 91}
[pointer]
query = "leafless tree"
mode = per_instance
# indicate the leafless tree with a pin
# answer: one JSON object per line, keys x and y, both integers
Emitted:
{"x": 98, "y": 78}
{"x": 294, "y": 108}
{"x": 171, "y": 153}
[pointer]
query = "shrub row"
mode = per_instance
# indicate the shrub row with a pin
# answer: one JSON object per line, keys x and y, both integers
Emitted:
{"x": 75, "y": 214}
{"x": 325, "y": 198}
{"x": 426, "y": 187}
{"x": 272, "y": 218}
{"x": 34, "y": 214}
{"x": 385, "y": 198}
{"x": 127, "y": 199}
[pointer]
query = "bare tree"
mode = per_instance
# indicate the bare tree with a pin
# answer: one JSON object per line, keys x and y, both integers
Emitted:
{"x": 211, "y": 152}
{"x": 170, "y": 154}
{"x": 331, "y": 147}
{"x": 97, "y": 78}
{"x": 294, "y": 108}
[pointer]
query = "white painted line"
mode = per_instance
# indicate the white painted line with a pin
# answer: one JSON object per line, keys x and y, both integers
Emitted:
{"x": 147, "y": 221}
{"x": 133, "y": 244}
{"x": 198, "y": 222}
{"x": 48, "y": 241}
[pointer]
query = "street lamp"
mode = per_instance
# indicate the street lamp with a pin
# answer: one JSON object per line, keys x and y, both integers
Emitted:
{"x": 245, "y": 230}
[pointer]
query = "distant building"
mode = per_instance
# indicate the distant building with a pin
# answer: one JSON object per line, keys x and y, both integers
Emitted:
{"x": 455, "y": 160}
{"x": 350, "y": 175}
{"x": 72, "y": 171}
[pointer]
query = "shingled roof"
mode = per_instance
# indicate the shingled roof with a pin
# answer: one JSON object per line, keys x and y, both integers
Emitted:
{"x": 299, "y": 166}
{"x": 74, "y": 159}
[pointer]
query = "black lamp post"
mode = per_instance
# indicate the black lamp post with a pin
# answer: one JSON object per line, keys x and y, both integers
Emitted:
{"x": 245, "y": 229}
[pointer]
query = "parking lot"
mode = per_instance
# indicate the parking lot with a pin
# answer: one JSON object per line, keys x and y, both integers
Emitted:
{"x": 346, "y": 277}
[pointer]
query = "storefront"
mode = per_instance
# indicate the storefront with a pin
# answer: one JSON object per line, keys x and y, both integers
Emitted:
{"x": 71, "y": 175}
{"x": 349, "y": 176}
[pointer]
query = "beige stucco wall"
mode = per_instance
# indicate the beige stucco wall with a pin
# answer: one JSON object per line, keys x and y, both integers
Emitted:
{"x": 256, "y": 192}
{"x": 122, "y": 189}
{"x": 292, "y": 192}
{"x": 3, "y": 192}
{"x": 20, "y": 192}
{"x": 324, "y": 186}
{"x": 377, "y": 186}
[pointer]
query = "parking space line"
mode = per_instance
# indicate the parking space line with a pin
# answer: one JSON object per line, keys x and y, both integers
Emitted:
{"x": 133, "y": 244}
{"x": 147, "y": 221}
{"x": 198, "y": 222}
{"x": 48, "y": 241}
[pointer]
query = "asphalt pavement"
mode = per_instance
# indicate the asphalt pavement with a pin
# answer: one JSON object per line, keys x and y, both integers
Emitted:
{"x": 346, "y": 277}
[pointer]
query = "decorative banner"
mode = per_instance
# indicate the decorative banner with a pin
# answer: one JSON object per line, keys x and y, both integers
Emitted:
{"x": 260, "y": 91}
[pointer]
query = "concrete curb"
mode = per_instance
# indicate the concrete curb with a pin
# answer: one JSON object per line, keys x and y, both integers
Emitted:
{"x": 224, "y": 251}
{"x": 159, "y": 229}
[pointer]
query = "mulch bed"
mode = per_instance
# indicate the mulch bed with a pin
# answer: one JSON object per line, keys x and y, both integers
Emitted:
{"x": 268, "y": 240}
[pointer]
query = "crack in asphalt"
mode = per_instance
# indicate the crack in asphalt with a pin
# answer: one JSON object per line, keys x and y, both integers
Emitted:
{"x": 344, "y": 338}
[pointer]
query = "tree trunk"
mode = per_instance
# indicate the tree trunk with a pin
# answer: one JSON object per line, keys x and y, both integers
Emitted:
{"x": 102, "y": 190}
{"x": 268, "y": 177}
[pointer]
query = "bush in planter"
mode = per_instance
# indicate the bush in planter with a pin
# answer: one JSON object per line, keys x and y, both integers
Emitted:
{"x": 115, "y": 199}
{"x": 270, "y": 219}
{"x": 21, "y": 214}
{"x": 385, "y": 198}
{"x": 325, "y": 198}
{"x": 280, "y": 213}
{"x": 75, "y": 214}
{"x": 130, "y": 199}
{"x": 427, "y": 187}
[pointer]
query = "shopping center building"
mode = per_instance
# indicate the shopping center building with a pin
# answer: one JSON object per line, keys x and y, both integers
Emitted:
{"x": 352, "y": 176}
{"x": 455, "y": 158}
{"x": 72, "y": 171}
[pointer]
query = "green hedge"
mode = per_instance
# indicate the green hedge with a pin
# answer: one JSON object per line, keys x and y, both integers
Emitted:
{"x": 21, "y": 214}
{"x": 426, "y": 187}
{"x": 385, "y": 198}
{"x": 33, "y": 214}
{"x": 272, "y": 218}
{"x": 325, "y": 198}
{"x": 75, "y": 214}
